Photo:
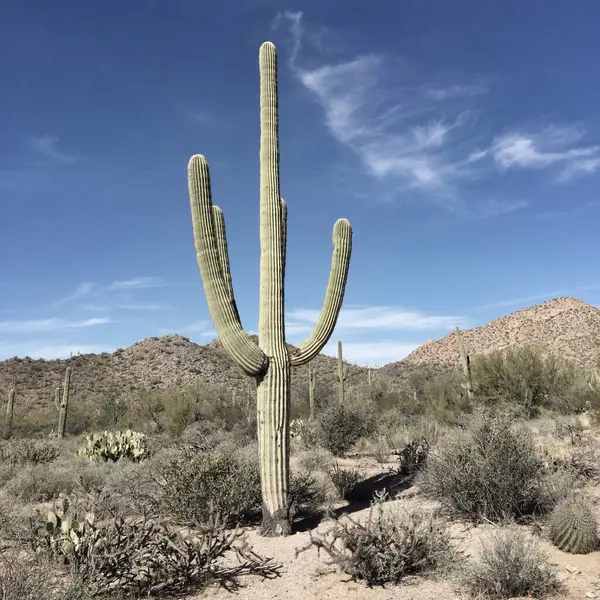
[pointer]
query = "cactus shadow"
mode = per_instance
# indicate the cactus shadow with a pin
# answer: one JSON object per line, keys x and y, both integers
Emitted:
{"x": 359, "y": 498}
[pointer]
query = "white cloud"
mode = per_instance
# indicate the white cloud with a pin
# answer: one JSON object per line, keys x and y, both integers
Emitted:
{"x": 550, "y": 146}
{"x": 48, "y": 146}
{"x": 37, "y": 350}
{"x": 420, "y": 135}
{"x": 371, "y": 354}
{"x": 302, "y": 320}
{"x": 137, "y": 283}
{"x": 81, "y": 291}
{"x": 49, "y": 325}
{"x": 202, "y": 328}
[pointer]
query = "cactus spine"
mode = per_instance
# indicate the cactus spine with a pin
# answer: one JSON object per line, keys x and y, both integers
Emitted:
{"x": 63, "y": 406}
{"x": 342, "y": 373}
{"x": 465, "y": 361}
{"x": 312, "y": 384}
{"x": 270, "y": 361}
{"x": 8, "y": 419}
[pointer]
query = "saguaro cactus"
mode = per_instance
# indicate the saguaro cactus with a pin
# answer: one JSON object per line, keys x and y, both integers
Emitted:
{"x": 342, "y": 373}
{"x": 8, "y": 419}
{"x": 465, "y": 361}
{"x": 270, "y": 361}
{"x": 312, "y": 384}
{"x": 63, "y": 405}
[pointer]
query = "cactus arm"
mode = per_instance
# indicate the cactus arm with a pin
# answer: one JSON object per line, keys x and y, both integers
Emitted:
{"x": 283, "y": 234}
{"x": 222, "y": 251}
{"x": 57, "y": 398}
{"x": 9, "y": 413}
{"x": 334, "y": 296}
{"x": 221, "y": 306}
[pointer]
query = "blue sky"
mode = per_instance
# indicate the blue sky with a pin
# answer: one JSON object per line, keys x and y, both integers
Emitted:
{"x": 462, "y": 140}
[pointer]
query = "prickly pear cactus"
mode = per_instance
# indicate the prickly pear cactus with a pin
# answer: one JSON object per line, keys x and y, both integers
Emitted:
{"x": 114, "y": 446}
{"x": 573, "y": 528}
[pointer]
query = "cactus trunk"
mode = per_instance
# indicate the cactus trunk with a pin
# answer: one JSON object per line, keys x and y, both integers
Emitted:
{"x": 312, "y": 383}
{"x": 10, "y": 406}
{"x": 271, "y": 361}
{"x": 63, "y": 406}
{"x": 342, "y": 373}
{"x": 465, "y": 361}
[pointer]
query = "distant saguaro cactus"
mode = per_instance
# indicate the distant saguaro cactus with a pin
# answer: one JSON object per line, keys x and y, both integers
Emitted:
{"x": 63, "y": 405}
{"x": 270, "y": 361}
{"x": 8, "y": 419}
{"x": 342, "y": 373}
{"x": 312, "y": 384}
{"x": 465, "y": 361}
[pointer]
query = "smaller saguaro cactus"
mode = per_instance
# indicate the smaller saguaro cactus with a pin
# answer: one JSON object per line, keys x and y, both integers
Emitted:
{"x": 342, "y": 374}
{"x": 312, "y": 384}
{"x": 63, "y": 405}
{"x": 10, "y": 405}
{"x": 465, "y": 361}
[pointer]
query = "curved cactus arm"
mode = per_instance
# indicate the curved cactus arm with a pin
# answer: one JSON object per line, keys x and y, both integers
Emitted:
{"x": 221, "y": 306}
{"x": 340, "y": 262}
{"x": 223, "y": 252}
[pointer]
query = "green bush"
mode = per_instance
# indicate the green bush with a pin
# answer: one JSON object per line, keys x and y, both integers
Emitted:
{"x": 491, "y": 473}
{"x": 522, "y": 376}
{"x": 511, "y": 565}
{"x": 344, "y": 480}
{"x": 341, "y": 427}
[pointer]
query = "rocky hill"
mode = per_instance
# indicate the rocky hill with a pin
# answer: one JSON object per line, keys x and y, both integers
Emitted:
{"x": 566, "y": 327}
{"x": 159, "y": 362}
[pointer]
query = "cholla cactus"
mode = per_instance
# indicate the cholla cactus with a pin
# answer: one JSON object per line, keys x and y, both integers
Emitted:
{"x": 115, "y": 446}
{"x": 270, "y": 361}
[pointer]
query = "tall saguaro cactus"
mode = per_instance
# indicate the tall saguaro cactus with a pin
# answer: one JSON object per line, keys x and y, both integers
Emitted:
{"x": 63, "y": 405}
{"x": 270, "y": 361}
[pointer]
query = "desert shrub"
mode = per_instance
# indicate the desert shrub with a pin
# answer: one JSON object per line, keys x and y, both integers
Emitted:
{"x": 316, "y": 459}
{"x": 36, "y": 580}
{"x": 412, "y": 458}
{"x": 28, "y": 452}
{"x": 41, "y": 483}
{"x": 511, "y": 565}
{"x": 14, "y": 521}
{"x": 390, "y": 546}
{"x": 491, "y": 473}
{"x": 189, "y": 482}
{"x": 142, "y": 557}
{"x": 341, "y": 427}
{"x": 522, "y": 376}
{"x": 381, "y": 450}
{"x": 344, "y": 480}
{"x": 306, "y": 495}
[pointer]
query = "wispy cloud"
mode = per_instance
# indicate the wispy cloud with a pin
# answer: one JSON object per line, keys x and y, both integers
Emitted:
{"x": 137, "y": 283}
{"x": 552, "y": 146}
{"x": 551, "y": 214}
{"x": 48, "y": 145}
{"x": 421, "y": 135}
{"x": 49, "y": 325}
{"x": 387, "y": 318}
{"x": 81, "y": 291}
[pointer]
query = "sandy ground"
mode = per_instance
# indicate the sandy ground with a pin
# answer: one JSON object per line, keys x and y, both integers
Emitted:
{"x": 308, "y": 576}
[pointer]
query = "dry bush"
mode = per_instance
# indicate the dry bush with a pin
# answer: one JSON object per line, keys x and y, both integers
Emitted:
{"x": 511, "y": 565}
{"x": 41, "y": 483}
{"x": 344, "y": 480}
{"x": 390, "y": 546}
